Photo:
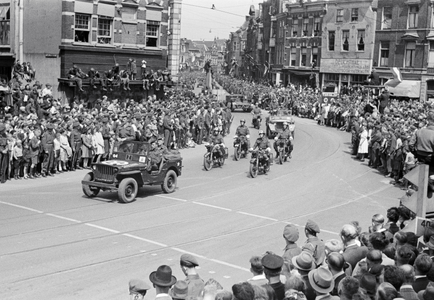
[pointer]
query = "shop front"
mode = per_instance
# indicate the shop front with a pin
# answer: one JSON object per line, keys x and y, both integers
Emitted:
{"x": 345, "y": 72}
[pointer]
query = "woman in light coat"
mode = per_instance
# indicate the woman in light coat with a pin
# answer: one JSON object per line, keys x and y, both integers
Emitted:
{"x": 98, "y": 144}
{"x": 364, "y": 142}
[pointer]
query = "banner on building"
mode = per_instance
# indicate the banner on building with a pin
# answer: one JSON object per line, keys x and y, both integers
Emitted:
{"x": 346, "y": 66}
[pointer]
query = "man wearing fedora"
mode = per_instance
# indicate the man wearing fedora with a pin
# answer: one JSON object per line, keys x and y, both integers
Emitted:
{"x": 321, "y": 280}
{"x": 179, "y": 291}
{"x": 188, "y": 265}
{"x": 162, "y": 280}
{"x": 138, "y": 289}
{"x": 304, "y": 263}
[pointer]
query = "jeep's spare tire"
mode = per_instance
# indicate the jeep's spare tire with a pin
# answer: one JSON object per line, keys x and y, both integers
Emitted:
{"x": 170, "y": 181}
{"x": 127, "y": 190}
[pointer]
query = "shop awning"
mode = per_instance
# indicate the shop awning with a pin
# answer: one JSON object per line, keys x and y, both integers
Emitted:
{"x": 406, "y": 88}
{"x": 302, "y": 73}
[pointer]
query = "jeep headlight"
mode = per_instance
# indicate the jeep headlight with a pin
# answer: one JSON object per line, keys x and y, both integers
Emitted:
{"x": 94, "y": 167}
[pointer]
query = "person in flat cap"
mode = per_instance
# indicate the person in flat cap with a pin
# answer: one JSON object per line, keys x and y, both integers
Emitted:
{"x": 272, "y": 264}
{"x": 138, "y": 289}
{"x": 188, "y": 265}
{"x": 291, "y": 235}
{"x": 311, "y": 230}
{"x": 162, "y": 280}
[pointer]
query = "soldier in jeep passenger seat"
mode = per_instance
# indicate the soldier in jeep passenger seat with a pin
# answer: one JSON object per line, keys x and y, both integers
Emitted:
{"x": 155, "y": 156}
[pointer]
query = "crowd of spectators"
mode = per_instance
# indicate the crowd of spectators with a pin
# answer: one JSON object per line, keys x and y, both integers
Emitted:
{"x": 382, "y": 262}
{"x": 382, "y": 129}
{"x": 41, "y": 135}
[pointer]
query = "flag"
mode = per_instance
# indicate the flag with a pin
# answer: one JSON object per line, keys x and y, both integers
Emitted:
{"x": 397, "y": 74}
{"x": 397, "y": 78}
{"x": 265, "y": 69}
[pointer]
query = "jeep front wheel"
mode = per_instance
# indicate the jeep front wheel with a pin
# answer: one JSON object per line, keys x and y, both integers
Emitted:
{"x": 169, "y": 183}
{"x": 89, "y": 191}
{"x": 127, "y": 190}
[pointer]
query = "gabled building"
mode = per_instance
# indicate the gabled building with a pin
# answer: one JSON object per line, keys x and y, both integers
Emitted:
{"x": 405, "y": 39}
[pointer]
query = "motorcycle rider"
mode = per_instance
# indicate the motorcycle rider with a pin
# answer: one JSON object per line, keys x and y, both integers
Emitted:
{"x": 286, "y": 136}
{"x": 256, "y": 112}
{"x": 262, "y": 143}
{"x": 243, "y": 131}
{"x": 216, "y": 139}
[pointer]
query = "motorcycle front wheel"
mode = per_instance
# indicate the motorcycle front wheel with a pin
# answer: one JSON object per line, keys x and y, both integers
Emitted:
{"x": 281, "y": 155}
{"x": 207, "y": 162}
{"x": 237, "y": 153}
{"x": 253, "y": 169}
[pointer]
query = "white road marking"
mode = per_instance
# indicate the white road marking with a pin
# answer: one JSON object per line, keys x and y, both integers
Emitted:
{"x": 171, "y": 198}
{"x": 230, "y": 265}
{"x": 213, "y": 206}
{"x": 257, "y": 216}
{"x": 102, "y": 228}
{"x": 63, "y": 218}
{"x": 188, "y": 252}
{"x": 23, "y": 207}
{"x": 143, "y": 239}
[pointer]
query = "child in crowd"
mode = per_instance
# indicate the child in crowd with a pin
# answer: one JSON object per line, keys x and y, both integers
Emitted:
{"x": 17, "y": 154}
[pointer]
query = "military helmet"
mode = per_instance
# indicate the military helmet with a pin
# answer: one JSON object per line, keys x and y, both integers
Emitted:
{"x": 261, "y": 132}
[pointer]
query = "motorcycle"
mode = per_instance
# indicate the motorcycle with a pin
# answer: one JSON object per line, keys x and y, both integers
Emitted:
{"x": 240, "y": 147}
{"x": 256, "y": 121}
{"x": 283, "y": 150}
{"x": 259, "y": 163}
{"x": 214, "y": 156}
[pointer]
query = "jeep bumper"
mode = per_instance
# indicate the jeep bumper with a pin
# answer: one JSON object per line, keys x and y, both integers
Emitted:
{"x": 103, "y": 185}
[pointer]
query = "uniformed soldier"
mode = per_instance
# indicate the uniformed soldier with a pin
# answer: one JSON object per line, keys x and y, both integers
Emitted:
{"x": 105, "y": 132}
{"x": 243, "y": 132}
{"x": 318, "y": 247}
{"x": 286, "y": 136}
{"x": 154, "y": 156}
{"x": 4, "y": 154}
{"x": 217, "y": 141}
{"x": 262, "y": 143}
{"x": 75, "y": 142}
{"x": 168, "y": 128}
{"x": 47, "y": 142}
{"x": 195, "y": 284}
{"x": 199, "y": 127}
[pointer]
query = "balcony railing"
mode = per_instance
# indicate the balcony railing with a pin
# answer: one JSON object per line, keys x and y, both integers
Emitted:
{"x": 5, "y": 30}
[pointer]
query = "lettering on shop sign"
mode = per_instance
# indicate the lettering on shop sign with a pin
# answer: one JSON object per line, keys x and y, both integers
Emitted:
{"x": 346, "y": 66}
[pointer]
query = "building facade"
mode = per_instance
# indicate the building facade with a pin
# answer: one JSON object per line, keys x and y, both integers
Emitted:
{"x": 405, "y": 39}
{"x": 303, "y": 41}
{"x": 93, "y": 34}
{"x": 347, "y": 42}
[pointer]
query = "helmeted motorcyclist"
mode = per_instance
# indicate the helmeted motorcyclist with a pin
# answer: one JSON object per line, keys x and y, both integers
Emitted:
{"x": 262, "y": 143}
{"x": 216, "y": 139}
{"x": 256, "y": 112}
{"x": 286, "y": 136}
{"x": 243, "y": 131}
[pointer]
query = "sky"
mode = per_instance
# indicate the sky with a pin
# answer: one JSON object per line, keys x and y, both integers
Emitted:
{"x": 200, "y": 22}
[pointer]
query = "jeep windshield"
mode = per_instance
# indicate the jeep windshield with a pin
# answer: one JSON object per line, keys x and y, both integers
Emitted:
{"x": 134, "y": 148}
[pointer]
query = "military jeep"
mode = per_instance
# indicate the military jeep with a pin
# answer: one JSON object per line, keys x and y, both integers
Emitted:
{"x": 130, "y": 169}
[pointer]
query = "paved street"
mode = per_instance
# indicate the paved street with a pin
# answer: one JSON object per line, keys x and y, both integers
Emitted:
{"x": 57, "y": 244}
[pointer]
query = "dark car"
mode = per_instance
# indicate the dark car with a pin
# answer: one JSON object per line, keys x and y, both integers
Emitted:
{"x": 130, "y": 169}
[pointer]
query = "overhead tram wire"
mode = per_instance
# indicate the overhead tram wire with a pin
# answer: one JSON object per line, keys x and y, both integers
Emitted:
{"x": 210, "y": 8}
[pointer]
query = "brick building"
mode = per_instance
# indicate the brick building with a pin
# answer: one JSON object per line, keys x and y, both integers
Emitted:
{"x": 405, "y": 39}
{"x": 98, "y": 34}
{"x": 347, "y": 42}
{"x": 302, "y": 30}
